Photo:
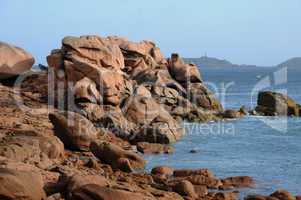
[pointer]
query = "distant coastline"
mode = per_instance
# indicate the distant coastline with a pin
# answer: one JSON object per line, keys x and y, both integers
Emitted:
{"x": 206, "y": 61}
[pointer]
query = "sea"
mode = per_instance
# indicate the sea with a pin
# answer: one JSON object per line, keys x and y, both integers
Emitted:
{"x": 266, "y": 148}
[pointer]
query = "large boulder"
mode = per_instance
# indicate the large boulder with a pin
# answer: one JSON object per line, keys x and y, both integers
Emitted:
{"x": 199, "y": 177}
{"x": 183, "y": 72}
{"x": 77, "y": 181}
{"x": 161, "y": 130}
{"x": 141, "y": 110}
{"x": 139, "y": 56}
{"x": 159, "y": 77}
{"x": 156, "y": 124}
{"x": 192, "y": 172}
{"x": 13, "y": 61}
{"x": 162, "y": 171}
{"x": 283, "y": 195}
{"x": 232, "y": 114}
{"x": 85, "y": 90}
{"x": 22, "y": 184}
{"x": 112, "y": 86}
{"x": 32, "y": 147}
{"x": 114, "y": 120}
{"x": 75, "y": 131}
{"x": 201, "y": 96}
{"x": 111, "y": 83}
{"x": 273, "y": 103}
{"x": 96, "y": 192}
{"x": 117, "y": 157}
{"x": 95, "y": 50}
{"x": 233, "y": 195}
{"x": 185, "y": 188}
{"x": 152, "y": 148}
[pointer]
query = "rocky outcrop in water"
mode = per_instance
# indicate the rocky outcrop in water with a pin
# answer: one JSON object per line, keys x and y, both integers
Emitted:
{"x": 276, "y": 104}
{"x": 277, "y": 195}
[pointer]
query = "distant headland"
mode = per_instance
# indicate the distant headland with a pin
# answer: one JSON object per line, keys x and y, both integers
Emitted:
{"x": 206, "y": 61}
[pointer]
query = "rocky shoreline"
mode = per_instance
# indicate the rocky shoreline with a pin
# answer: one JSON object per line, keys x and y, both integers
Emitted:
{"x": 76, "y": 130}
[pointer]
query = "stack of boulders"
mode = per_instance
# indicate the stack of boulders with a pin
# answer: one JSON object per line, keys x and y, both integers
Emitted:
{"x": 131, "y": 88}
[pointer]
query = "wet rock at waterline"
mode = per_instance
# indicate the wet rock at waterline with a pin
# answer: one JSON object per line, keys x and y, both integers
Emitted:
{"x": 276, "y": 104}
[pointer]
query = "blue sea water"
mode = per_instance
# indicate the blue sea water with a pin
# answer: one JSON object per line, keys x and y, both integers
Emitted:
{"x": 266, "y": 148}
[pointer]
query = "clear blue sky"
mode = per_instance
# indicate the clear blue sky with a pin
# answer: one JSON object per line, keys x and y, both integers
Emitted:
{"x": 263, "y": 32}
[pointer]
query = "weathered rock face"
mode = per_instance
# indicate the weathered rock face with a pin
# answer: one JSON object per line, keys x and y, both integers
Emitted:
{"x": 13, "y": 61}
{"x": 115, "y": 120}
{"x": 74, "y": 130}
{"x": 141, "y": 56}
{"x": 85, "y": 90}
{"x": 94, "y": 58}
{"x": 96, "y": 50}
{"x": 182, "y": 72}
{"x": 117, "y": 157}
{"x": 272, "y": 104}
{"x": 202, "y": 97}
{"x": 157, "y": 125}
{"x": 141, "y": 110}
